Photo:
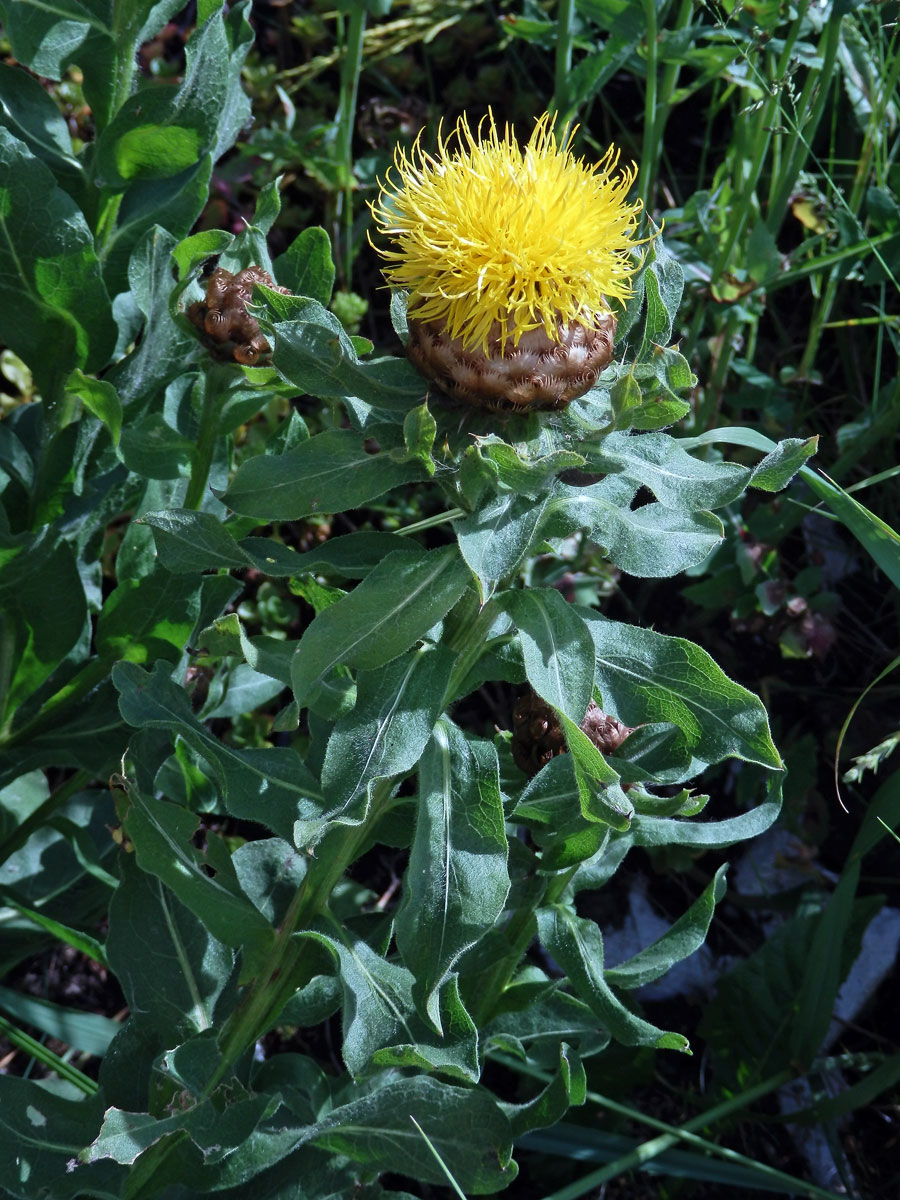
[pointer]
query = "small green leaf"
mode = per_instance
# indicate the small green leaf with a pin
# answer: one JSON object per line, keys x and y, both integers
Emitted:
{"x": 680, "y": 941}
{"x": 306, "y": 266}
{"x": 780, "y": 465}
{"x": 577, "y": 945}
{"x": 646, "y": 676}
{"x": 100, "y": 398}
{"x": 329, "y": 473}
{"x": 557, "y": 648}
{"x": 389, "y": 611}
{"x": 457, "y": 880}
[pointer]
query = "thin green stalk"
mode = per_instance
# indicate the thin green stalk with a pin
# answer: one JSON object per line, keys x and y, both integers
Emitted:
{"x": 213, "y": 384}
{"x": 41, "y": 815}
{"x": 565, "y": 31}
{"x": 90, "y": 675}
{"x": 671, "y": 1134}
{"x": 650, "y": 147}
{"x": 812, "y": 101}
{"x": 39, "y": 1051}
{"x": 452, "y": 514}
{"x": 351, "y": 69}
{"x": 282, "y": 970}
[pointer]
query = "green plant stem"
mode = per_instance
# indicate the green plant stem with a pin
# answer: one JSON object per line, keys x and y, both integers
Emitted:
{"x": 468, "y": 641}
{"x": 214, "y": 390}
{"x": 283, "y": 970}
{"x": 39, "y": 1051}
{"x": 671, "y": 1135}
{"x": 650, "y": 148}
{"x": 351, "y": 68}
{"x": 41, "y": 815}
{"x": 519, "y": 932}
{"x": 810, "y": 106}
{"x": 565, "y": 29}
{"x": 90, "y": 675}
{"x": 452, "y": 514}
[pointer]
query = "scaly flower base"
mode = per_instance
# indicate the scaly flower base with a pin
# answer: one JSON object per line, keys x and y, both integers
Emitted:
{"x": 536, "y": 373}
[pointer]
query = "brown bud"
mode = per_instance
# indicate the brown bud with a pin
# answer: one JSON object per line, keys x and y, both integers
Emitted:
{"x": 538, "y": 735}
{"x": 224, "y": 317}
{"x": 539, "y": 373}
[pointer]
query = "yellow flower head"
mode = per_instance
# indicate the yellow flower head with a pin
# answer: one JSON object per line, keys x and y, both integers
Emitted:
{"x": 489, "y": 231}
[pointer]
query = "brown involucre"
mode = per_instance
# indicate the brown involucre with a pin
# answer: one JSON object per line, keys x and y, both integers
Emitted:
{"x": 538, "y": 373}
{"x": 223, "y": 317}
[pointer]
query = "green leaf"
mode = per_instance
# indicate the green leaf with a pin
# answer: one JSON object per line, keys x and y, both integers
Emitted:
{"x": 457, "y": 880}
{"x": 84, "y": 1031}
{"x": 42, "y": 594}
{"x": 148, "y": 619}
{"x": 329, "y": 473}
{"x": 51, "y": 291}
{"x": 652, "y": 542}
{"x": 533, "y": 1024}
{"x": 709, "y": 835}
{"x": 189, "y": 541}
{"x": 556, "y": 646}
{"x": 165, "y": 351}
{"x": 677, "y": 480}
{"x": 173, "y": 971}
{"x": 680, "y": 941}
{"x": 314, "y": 352}
{"x": 29, "y": 113}
{"x": 600, "y": 795}
{"x": 101, "y": 38}
{"x": 174, "y": 204}
{"x": 390, "y": 725}
{"x": 465, "y": 1125}
{"x": 269, "y": 786}
{"x": 663, "y": 285}
{"x": 192, "y": 252}
{"x": 99, "y": 398}
{"x": 577, "y": 945}
{"x": 780, "y": 465}
{"x": 348, "y": 556}
{"x": 496, "y": 538}
{"x": 306, "y": 266}
{"x": 419, "y": 432}
{"x": 217, "y": 1131}
{"x": 152, "y": 448}
{"x": 162, "y": 837}
{"x": 567, "y": 1088}
{"x": 525, "y": 475}
{"x": 646, "y": 676}
{"x": 161, "y": 131}
{"x": 386, "y": 614}
{"x": 381, "y": 1026}
{"x": 41, "y": 1133}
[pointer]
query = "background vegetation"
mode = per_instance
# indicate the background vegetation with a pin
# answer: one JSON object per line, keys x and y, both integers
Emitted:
{"x": 767, "y": 137}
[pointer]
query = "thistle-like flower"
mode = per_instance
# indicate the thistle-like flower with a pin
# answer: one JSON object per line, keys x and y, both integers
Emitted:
{"x": 510, "y": 255}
